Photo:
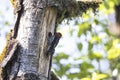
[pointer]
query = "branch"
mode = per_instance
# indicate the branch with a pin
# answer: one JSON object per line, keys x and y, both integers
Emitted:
{"x": 73, "y": 8}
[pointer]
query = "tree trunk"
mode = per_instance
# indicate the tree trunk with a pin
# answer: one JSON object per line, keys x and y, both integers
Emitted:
{"x": 35, "y": 23}
{"x": 32, "y": 35}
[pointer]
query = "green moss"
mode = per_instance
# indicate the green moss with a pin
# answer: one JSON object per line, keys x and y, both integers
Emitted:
{"x": 71, "y": 8}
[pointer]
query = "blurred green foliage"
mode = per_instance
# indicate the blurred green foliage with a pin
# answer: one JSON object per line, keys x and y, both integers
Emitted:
{"x": 96, "y": 27}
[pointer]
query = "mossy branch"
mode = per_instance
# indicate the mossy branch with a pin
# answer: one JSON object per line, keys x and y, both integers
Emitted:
{"x": 73, "y": 8}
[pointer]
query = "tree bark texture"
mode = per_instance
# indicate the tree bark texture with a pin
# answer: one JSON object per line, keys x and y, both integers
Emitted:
{"x": 32, "y": 35}
{"x": 36, "y": 21}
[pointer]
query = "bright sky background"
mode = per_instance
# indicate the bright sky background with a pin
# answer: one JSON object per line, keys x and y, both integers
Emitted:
{"x": 6, "y": 14}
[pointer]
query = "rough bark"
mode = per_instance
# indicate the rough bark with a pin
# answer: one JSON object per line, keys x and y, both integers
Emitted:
{"x": 35, "y": 26}
{"x": 35, "y": 23}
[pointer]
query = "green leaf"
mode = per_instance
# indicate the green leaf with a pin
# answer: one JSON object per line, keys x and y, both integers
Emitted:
{"x": 99, "y": 76}
{"x": 85, "y": 79}
{"x": 85, "y": 66}
{"x": 80, "y": 46}
{"x": 95, "y": 39}
{"x": 6, "y": 23}
{"x": 96, "y": 21}
{"x": 95, "y": 55}
{"x": 83, "y": 28}
{"x": 90, "y": 46}
{"x": 73, "y": 75}
{"x": 63, "y": 69}
{"x": 61, "y": 55}
{"x": 113, "y": 53}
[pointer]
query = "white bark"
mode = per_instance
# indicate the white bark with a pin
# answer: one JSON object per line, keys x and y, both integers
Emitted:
{"x": 35, "y": 24}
